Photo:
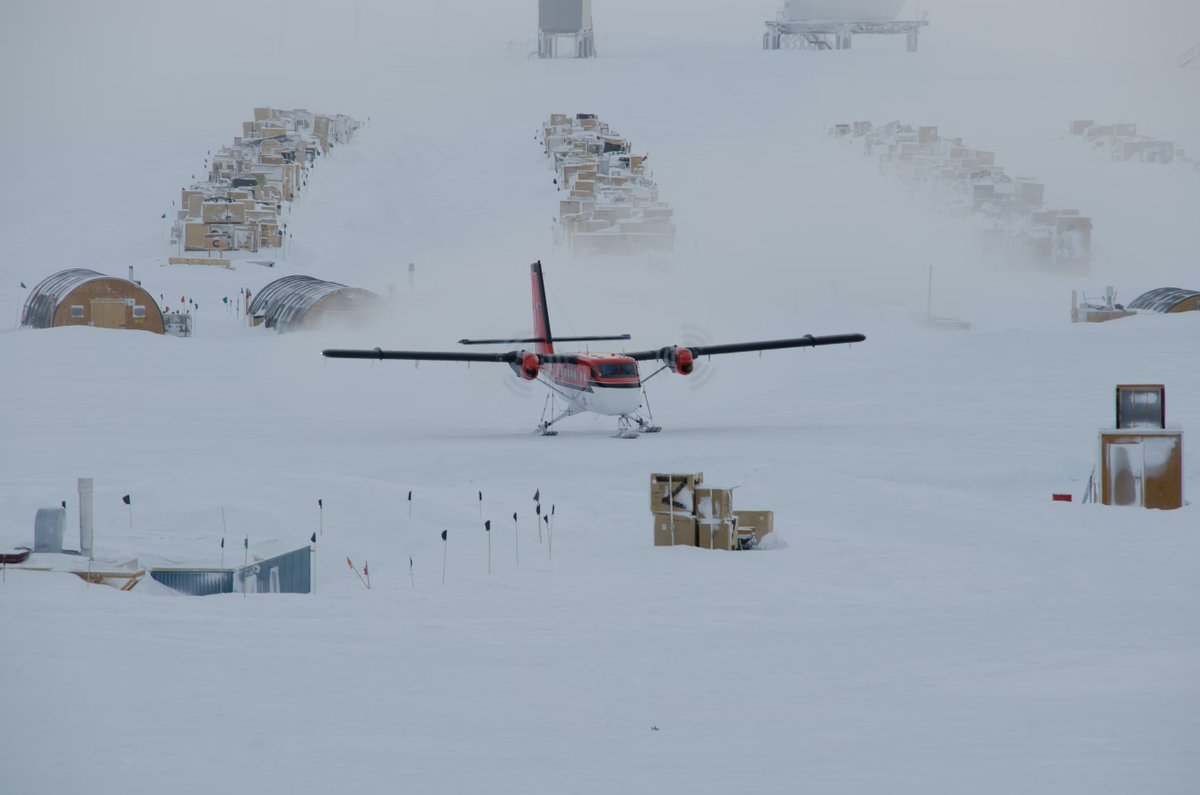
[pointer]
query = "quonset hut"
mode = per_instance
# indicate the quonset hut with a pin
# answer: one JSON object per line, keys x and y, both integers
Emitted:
{"x": 302, "y": 302}
{"x": 1166, "y": 300}
{"x": 82, "y": 297}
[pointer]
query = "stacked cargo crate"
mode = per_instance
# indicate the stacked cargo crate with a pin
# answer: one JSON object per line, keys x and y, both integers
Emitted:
{"x": 611, "y": 206}
{"x": 962, "y": 181}
{"x": 686, "y": 513}
{"x": 237, "y": 207}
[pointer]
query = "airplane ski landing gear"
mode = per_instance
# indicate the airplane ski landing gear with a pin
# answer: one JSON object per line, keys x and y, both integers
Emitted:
{"x": 645, "y": 426}
{"x": 543, "y": 428}
{"x": 627, "y": 427}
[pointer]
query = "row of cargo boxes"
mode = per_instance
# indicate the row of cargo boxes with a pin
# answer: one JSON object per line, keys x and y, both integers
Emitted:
{"x": 1123, "y": 142}
{"x": 964, "y": 181}
{"x": 237, "y": 207}
{"x": 611, "y": 205}
{"x": 687, "y": 513}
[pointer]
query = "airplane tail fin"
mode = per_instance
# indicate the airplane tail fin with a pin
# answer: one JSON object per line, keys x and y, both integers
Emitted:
{"x": 541, "y": 311}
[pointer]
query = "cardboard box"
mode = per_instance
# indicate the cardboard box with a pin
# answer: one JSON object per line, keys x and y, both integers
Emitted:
{"x": 223, "y": 213}
{"x": 674, "y": 529}
{"x": 762, "y": 523}
{"x": 714, "y": 504}
{"x": 675, "y": 497}
{"x": 667, "y": 488}
{"x": 717, "y": 535}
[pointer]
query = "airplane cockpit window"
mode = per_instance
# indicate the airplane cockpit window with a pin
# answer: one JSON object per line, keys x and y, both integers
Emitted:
{"x": 624, "y": 370}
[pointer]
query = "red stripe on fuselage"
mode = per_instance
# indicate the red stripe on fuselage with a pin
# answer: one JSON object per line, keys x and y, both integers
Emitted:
{"x": 616, "y": 372}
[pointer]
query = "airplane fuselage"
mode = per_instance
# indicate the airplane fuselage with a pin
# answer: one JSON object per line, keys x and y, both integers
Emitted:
{"x": 600, "y": 383}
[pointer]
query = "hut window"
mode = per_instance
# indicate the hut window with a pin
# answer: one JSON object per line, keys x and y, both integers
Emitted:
{"x": 139, "y": 311}
{"x": 77, "y": 311}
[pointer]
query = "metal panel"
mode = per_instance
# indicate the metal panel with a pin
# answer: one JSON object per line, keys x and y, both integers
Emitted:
{"x": 48, "y": 527}
{"x": 195, "y": 582}
{"x": 290, "y": 572}
{"x": 564, "y": 16}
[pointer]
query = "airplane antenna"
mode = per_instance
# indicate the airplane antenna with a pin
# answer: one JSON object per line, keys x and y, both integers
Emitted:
{"x": 561, "y": 311}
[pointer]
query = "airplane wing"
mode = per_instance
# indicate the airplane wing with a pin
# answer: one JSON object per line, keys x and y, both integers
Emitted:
{"x": 807, "y": 341}
{"x": 510, "y": 357}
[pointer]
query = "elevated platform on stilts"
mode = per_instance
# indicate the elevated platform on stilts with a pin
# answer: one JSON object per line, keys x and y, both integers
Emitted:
{"x": 811, "y": 34}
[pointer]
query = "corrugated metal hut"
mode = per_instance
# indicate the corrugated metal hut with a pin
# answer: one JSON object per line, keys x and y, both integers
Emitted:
{"x": 290, "y": 572}
{"x": 1167, "y": 300}
{"x": 82, "y": 297}
{"x": 302, "y": 302}
{"x": 195, "y": 582}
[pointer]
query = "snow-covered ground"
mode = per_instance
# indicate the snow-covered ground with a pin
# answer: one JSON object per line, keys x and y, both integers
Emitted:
{"x": 926, "y": 619}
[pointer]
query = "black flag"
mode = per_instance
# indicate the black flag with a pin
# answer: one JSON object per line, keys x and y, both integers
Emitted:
{"x": 538, "y": 509}
{"x": 487, "y": 526}
{"x": 222, "y": 543}
{"x": 410, "y": 496}
{"x": 444, "y": 534}
{"x": 546, "y": 519}
{"x": 125, "y": 499}
{"x": 514, "y": 516}
{"x": 64, "y": 504}
{"x": 551, "y": 510}
{"x": 481, "y": 496}
{"x": 320, "y": 503}
{"x": 314, "y": 538}
{"x": 537, "y": 495}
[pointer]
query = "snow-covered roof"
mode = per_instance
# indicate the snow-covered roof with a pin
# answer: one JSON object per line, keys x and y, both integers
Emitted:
{"x": 1162, "y": 299}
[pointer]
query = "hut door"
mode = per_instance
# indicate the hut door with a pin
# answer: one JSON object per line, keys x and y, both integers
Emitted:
{"x": 1125, "y": 474}
{"x": 274, "y": 579}
{"x": 108, "y": 312}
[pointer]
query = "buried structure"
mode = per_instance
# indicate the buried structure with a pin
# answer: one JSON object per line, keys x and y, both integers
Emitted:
{"x": 1167, "y": 300}
{"x": 294, "y": 303}
{"x": 82, "y": 297}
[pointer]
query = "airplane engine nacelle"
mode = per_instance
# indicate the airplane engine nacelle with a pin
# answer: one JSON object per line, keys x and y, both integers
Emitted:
{"x": 527, "y": 366}
{"x": 679, "y": 359}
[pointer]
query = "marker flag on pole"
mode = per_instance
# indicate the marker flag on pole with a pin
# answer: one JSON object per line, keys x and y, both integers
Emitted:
{"x": 487, "y": 526}
{"x": 514, "y": 516}
{"x": 537, "y": 495}
{"x": 444, "y": 534}
{"x": 64, "y": 505}
{"x": 538, "y": 509}
{"x": 222, "y": 543}
{"x": 366, "y": 571}
{"x": 246, "y": 543}
{"x": 126, "y": 499}
{"x": 320, "y": 503}
{"x": 410, "y": 496}
{"x": 23, "y": 287}
{"x": 314, "y": 538}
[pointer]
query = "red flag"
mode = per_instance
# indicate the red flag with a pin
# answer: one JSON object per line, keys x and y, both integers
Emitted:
{"x": 365, "y": 572}
{"x": 351, "y": 565}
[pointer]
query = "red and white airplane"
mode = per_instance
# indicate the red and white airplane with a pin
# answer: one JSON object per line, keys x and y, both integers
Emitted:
{"x": 597, "y": 382}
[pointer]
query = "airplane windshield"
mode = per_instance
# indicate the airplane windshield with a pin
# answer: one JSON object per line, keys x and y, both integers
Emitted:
{"x": 623, "y": 370}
